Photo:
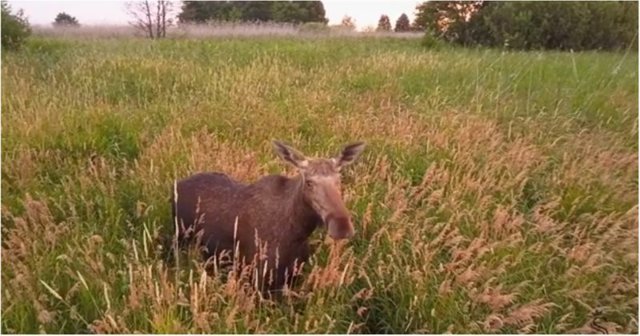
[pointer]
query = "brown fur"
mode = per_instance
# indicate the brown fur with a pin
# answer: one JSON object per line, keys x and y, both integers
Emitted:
{"x": 278, "y": 211}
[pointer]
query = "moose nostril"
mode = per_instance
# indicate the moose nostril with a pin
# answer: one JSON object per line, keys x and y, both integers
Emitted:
{"x": 340, "y": 227}
{"x": 349, "y": 234}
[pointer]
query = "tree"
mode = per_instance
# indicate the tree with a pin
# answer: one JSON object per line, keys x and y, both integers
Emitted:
{"x": 316, "y": 12}
{"x": 384, "y": 24}
{"x": 348, "y": 23}
{"x": 199, "y": 11}
{"x": 252, "y": 11}
{"x": 15, "y": 27}
{"x": 64, "y": 19}
{"x": 403, "y": 24}
{"x": 298, "y": 11}
{"x": 151, "y": 17}
{"x": 439, "y": 16}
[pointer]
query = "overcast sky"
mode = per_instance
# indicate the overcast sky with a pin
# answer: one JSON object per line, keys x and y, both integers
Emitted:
{"x": 365, "y": 13}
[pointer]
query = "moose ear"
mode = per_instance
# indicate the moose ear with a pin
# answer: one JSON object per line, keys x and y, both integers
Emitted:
{"x": 349, "y": 154}
{"x": 290, "y": 155}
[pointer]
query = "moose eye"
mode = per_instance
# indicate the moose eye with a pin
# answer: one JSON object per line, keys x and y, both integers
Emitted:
{"x": 309, "y": 184}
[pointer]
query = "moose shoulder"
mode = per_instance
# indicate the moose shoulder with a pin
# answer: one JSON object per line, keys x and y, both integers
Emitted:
{"x": 268, "y": 222}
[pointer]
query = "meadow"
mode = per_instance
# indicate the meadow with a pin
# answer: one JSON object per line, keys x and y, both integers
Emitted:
{"x": 498, "y": 191}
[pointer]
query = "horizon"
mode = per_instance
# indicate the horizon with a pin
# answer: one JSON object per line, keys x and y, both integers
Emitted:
{"x": 113, "y": 13}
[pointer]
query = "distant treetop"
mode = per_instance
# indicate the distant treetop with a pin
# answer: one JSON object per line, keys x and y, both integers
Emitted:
{"x": 384, "y": 24}
{"x": 252, "y": 11}
{"x": 64, "y": 19}
{"x": 403, "y": 24}
{"x": 348, "y": 23}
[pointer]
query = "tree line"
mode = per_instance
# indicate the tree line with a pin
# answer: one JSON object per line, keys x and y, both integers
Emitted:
{"x": 523, "y": 25}
{"x": 254, "y": 11}
{"x": 532, "y": 25}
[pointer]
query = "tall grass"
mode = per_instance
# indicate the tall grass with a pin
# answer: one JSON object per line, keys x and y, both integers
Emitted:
{"x": 216, "y": 30}
{"x": 498, "y": 192}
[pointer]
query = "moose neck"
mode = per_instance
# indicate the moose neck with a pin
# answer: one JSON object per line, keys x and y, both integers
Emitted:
{"x": 305, "y": 219}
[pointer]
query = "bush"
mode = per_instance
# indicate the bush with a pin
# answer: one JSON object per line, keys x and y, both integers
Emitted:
{"x": 15, "y": 28}
{"x": 430, "y": 41}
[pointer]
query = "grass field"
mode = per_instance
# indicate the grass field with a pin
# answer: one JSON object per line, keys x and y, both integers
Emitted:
{"x": 498, "y": 191}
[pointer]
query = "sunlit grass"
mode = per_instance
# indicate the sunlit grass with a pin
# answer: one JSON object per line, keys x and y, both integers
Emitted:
{"x": 498, "y": 191}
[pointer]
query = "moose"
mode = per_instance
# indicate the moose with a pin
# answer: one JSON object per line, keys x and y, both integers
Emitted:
{"x": 266, "y": 224}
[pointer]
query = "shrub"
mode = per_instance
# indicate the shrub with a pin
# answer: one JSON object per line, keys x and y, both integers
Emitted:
{"x": 15, "y": 27}
{"x": 430, "y": 41}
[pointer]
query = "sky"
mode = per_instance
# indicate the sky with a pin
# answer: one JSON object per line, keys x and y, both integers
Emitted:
{"x": 365, "y": 13}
